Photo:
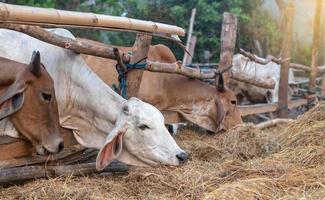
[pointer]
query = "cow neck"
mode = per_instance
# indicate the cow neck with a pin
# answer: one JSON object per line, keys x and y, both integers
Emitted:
{"x": 102, "y": 99}
{"x": 86, "y": 102}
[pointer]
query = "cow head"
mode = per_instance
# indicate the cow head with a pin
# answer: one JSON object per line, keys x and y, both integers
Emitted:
{"x": 140, "y": 138}
{"x": 30, "y": 104}
{"x": 228, "y": 99}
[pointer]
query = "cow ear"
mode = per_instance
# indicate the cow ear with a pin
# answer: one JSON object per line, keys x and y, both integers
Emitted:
{"x": 35, "y": 64}
{"x": 112, "y": 148}
{"x": 221, "y": 85}
{"x": 12, "y": 100}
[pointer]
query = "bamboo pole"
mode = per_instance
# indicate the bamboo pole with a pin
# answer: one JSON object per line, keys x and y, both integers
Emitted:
{"x": 189, "y": 37}
{"x": 26, "y": 14}
{"x": 286, "y": 53}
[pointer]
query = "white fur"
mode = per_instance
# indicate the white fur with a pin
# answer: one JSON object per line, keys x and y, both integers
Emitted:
{"x": 252, "y": 69}
{"x": 87, "y": 105}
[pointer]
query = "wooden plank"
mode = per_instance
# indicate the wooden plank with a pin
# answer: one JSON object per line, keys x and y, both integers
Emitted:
{"x": 140, "y": 52}
{"x": 13, "y": 148}
{"x": 286, "y": 55}
{"x": 31, "y": 172}
{"x": 26, "y": 14}
{"x": 315, "y": 45}
{"x": 228, "y": 43}
{"x": 264, "y": 108}
{"x": 69, "y": 152}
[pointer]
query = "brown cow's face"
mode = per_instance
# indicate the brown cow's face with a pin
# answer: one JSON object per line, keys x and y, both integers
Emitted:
{"x": 37, "y": 119}
{"x": 233, "y": 115}
{"x": 229, "y": 102}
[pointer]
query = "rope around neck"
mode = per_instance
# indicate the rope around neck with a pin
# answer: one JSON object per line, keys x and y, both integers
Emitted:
{"x": 121, "y": 89}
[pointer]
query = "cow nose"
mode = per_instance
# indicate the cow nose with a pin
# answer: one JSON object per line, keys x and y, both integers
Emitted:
{"x": 61, "y": 146}
{"x": 182, "y": 157}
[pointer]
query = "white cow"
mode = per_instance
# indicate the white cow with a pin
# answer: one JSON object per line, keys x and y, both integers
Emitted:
{"x": 255, "y": 94}
{"x": 131, "y": 131}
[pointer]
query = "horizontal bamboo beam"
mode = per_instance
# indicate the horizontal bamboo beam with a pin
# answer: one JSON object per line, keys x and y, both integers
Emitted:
{"x": 266, "y": 83}
{"x": 31, "y": 172}
{"x": 65, "y": 42}
{"x": 262, "y": 61}
{"x": 26, "y": 14}
{"x": 178, "y": 68}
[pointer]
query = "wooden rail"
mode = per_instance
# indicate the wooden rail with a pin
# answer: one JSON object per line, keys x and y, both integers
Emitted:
{"x": 264, "y": 108}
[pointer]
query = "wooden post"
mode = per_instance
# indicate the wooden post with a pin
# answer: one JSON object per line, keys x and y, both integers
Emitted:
{"x": 189, "y": 36}
{"x": 140, "y": 51}
{"x": 228, "y": 43}
{"x": 285, "y": 54}
{"x": 191, "y": 50}
{"x": 323, "y": 81}
{"x": 315, "y": 47}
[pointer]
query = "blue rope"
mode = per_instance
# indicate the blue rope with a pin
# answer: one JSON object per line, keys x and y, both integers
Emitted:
{"x": 135, "y": 66}
{"x": 122, "y": 77}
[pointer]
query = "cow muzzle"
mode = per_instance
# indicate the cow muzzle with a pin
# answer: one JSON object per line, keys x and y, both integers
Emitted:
{"x": 182, "y": 157}
{"x": 44, "y": 149}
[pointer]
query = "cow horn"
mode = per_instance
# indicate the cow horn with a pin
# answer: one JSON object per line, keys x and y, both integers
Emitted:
{"x": 35, "y": 63}
{"x": 221, "y": 85}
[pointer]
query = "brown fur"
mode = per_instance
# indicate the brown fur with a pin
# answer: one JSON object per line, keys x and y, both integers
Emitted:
{"x": 172, "y": 92}
{"x": 37, "y": 119}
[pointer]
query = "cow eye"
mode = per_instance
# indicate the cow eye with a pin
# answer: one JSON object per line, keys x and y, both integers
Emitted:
{"x": 233, "y": 102}
{"x": 46, "y": 96}
{"x": 143, "y": 127}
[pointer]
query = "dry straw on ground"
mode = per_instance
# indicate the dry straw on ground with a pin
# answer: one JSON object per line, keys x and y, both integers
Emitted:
{"x": 244, "y": 163}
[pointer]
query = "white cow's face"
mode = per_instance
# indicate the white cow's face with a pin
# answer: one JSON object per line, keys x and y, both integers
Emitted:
{"x": 140, "y": 138}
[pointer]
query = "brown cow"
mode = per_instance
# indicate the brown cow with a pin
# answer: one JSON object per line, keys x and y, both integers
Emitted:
{"x": 196, "y": 101}
{"x": 27, "y": 99}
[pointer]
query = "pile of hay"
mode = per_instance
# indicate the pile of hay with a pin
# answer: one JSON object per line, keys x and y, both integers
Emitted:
{"x": 244, "y": 163}
{"x": 296, "y": 171}
{"x": 307, "y": 130}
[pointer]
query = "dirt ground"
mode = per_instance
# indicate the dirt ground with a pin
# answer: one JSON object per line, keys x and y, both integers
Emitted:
{"x": 283, "y": 162}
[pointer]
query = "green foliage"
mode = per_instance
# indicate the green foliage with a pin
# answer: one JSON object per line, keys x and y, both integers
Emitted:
{"x": 207, "y": 25}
